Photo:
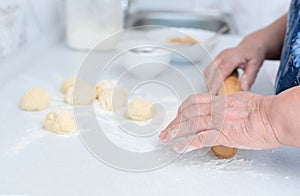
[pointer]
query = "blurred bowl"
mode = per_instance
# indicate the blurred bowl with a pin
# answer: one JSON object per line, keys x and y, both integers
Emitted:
{"x": 181, "y": 42}
{"x": 143, "y": 60}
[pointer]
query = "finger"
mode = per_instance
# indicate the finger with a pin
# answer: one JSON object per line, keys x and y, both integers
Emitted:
{"x": 219, "y": 78}
{"x": 174, "y": 122}
{"x": 195, "y": 111}
{"x": 195, "y": 100}
{"x": 185, "y": 128}
{"x": 210, "y": 72}
{"x": 191, "y": 114}
{"x": 201, "y": 140}
{"x": 190, "y": 104}
{"x": 249, "y": 75}
{"x": 211, "y": 68}
{"x": 165, "y": 134}
{"x": 224, "y": 69}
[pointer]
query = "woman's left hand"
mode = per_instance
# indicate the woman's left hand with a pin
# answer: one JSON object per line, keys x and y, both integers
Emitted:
{"x": 237, "y": 120}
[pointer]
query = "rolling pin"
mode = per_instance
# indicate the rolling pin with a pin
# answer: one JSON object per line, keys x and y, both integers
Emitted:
{"x": 231, "y": 85}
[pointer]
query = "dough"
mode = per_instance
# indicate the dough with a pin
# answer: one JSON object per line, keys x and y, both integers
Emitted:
{"x": 224, "y": 152}
{"x": 104, "y": 84}
{"x": 69, "y": 95}
{"x": 98, "y": 92}
{"x": 112, "y": 99}
{"x": 35, "y": 99}
{"x": 140, "y": 110}
{"x": 186, "y": 40}
{"x": 83, "y": 95}
{"x": 67, "y": 83}
{"x": 60, "y": 121}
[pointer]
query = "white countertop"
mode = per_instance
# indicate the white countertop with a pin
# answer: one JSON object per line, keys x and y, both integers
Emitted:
{"x": 36, "y": 162}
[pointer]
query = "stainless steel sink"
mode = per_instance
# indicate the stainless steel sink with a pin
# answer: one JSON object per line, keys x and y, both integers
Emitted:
{"x": 213, "y": 21}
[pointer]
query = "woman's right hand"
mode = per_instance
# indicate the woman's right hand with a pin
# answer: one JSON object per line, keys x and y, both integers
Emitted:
{"x": 248, "y": 55}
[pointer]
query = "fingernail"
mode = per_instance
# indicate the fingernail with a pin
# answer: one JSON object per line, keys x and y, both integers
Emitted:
{"x": 163, "y": 136}
{"x": 168, "y": 135}
{"x": 162, "y": 133}
{"x": 218, "y": 61}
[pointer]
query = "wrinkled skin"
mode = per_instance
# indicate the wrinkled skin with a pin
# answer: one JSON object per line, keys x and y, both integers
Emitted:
{"x": 247, "y": 57}
{"x": 238, "y": 120}
{"x": 242, "y": 120}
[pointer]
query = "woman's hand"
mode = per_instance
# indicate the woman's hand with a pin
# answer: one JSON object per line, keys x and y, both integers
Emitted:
{"x": 248, "y": 55}
{"x": 238, "y": 120}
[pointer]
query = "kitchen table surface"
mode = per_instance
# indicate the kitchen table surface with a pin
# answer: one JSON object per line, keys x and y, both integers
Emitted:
{"x": 36, "y": 162}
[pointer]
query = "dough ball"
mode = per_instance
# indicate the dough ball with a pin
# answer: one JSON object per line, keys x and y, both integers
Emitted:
{"x": 140, "y": 110}
{"x": 101, "y": 86}
{"x": 112, "y": 99}
{"x": 98, "y": 92}
{"x": 69, "y": 95}
{"x": 67, "y": 83}
{"x": 35, "y": 99}
{"x": 82, "y": 95}
{"x": 60, "y": 122}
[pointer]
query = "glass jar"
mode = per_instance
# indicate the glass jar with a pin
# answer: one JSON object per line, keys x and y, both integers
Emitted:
{"x": 88, "y": 22}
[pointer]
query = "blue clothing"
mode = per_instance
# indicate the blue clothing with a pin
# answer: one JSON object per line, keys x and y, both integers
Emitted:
{"x": 289, "y": 73}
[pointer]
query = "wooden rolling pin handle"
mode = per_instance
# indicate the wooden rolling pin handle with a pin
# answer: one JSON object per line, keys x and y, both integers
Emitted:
{"x": 231, "y": 85}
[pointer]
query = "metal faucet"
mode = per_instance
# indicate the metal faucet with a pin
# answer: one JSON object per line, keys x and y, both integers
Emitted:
{"x": 126, "y": 5}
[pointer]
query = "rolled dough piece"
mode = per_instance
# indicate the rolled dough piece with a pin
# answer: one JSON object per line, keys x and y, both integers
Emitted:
{"x": 112, "y": 99}
{"x": 60, "y": 121}
{"x": 67, "y": 83}
{"x": 231, "y": 85}
{"x": 35, "y": 99}
{"x": 224, "y": 152}
{"x": 140, "y": 110}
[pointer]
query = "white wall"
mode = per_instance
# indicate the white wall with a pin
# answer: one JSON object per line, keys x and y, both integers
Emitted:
{"x": 250, "y": 14}
{"x": 23, "y": 21}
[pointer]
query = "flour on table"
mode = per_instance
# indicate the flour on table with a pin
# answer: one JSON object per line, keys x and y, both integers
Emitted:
{"x": 111, "y": 125}
{"x": 204, "y": 158}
